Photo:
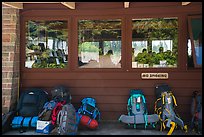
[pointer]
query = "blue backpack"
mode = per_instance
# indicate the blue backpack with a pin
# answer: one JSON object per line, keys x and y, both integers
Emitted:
{"x": 137, "y": 97}
{"x": 137, "y": 105}
{"x": 137, "y": 111}
{"x": 89, "y": 108}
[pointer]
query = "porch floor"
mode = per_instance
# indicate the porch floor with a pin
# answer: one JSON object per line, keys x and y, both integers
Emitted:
{"x": 111, "y": 128}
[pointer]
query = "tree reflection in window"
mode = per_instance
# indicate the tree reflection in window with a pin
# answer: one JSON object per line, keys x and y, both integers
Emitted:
{"x": 46, "y": 44}
{"x": 149, "y": 36}
{"x": 99, "y": 43}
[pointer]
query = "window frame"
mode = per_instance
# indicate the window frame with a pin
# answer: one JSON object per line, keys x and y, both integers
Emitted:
{"x": 75, "y": 49}
{"x": 190, "y": 33}
{"x": 160, "y": 69}
{"x": 23, "y": 43}
{"x": 126, "y": 59}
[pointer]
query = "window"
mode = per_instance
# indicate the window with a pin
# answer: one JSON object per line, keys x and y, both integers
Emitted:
{"x": 195, "y": 41}
{"x": 154, "y": 43}
{"x": 46, "y": 44}
{"x": 99, "y": 43}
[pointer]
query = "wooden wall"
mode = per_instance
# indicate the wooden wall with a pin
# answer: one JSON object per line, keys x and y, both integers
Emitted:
{"x": 110, "y": 87}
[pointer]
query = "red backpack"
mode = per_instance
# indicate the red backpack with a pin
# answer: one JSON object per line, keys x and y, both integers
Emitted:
{"x": 56, "y": 110}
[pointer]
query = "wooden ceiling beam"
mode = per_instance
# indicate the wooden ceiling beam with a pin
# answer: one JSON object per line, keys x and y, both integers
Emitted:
{"x": 126, "y": 4}
{"x": 16, "y": 5}
{"x": 70, "y": 5}
{"x": 185, "y": 3}
{"x": 41, "y": 2}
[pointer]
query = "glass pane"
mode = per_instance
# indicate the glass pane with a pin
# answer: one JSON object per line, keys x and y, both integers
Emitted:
{"x": 46, "y": 44}
{"x": 196, "y": 25}
{"x": 99, "y": 43}
{"x": 154, "y": 43}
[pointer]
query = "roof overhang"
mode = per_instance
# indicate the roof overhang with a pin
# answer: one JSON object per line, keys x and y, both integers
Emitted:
{"x": 19, "y": 5}
{"x": 70, "y": 5}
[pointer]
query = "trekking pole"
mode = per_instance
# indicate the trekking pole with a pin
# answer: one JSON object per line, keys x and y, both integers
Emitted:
{"x": 41, "y": 114}
{"x": 192, "y": 122}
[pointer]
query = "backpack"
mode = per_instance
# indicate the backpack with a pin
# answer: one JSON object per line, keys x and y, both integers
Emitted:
{"x": 136, "y": 103}
{"x": 61, "y": 93}
{"x": 6, "y": 120}
{"x": 89, "y": 108}
{"x": 196, "y": 111}
{"x": 67, "y": 120}
{"x": 137, "y": 110}
{"x": 165, "y": 107}
{"x": 31, "y": 102}
{"x": 29, "y": 106}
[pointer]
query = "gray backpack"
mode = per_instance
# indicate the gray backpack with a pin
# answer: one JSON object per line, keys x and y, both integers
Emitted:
{"x": 67, "y": 120}
{"x": 196, "y": 112}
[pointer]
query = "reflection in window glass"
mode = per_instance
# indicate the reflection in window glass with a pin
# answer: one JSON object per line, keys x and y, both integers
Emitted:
{"x": 196, "y": 28}
{"x": 139, "y": 45}
{"x": 46, "y": 44}
{"x": 198, "y": 49}
{"x": 157, "y": 43}
{"x": 166, "y": 44}
{"x": 99, "y": 44}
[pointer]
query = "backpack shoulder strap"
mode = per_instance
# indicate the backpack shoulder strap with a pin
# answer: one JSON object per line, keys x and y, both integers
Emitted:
{"x": 136, "y": 96}
{"x": 56, "y": 110}
{"x": 174, "y": 99}
{"x": 59, "y": 116}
